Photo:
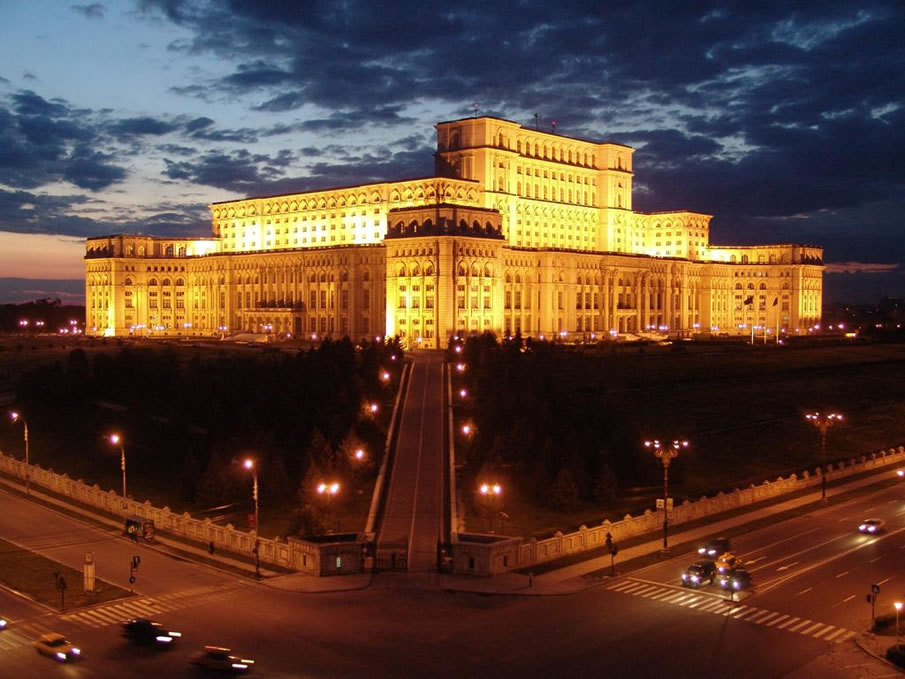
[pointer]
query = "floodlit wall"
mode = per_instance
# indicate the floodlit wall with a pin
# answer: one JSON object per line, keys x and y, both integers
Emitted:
{"x": 296, "y": 555}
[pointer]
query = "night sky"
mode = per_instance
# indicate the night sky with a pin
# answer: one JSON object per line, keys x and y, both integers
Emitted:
{"x": 785, "y": 120}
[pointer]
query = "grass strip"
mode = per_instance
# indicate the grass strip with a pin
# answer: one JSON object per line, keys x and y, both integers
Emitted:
{"x": 37, "y": 577}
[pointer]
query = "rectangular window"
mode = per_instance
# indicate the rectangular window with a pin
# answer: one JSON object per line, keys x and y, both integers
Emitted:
{"x": 313, "y": 300}
{"x": 429, "y": 302}
{"x": 344, "y": 301}
{"x": 365, "y": 299}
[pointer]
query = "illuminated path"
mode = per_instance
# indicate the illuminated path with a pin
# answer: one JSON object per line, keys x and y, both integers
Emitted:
{"x": 412, "y": 523}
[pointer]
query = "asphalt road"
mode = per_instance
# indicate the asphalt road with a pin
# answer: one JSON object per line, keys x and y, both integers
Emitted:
{"x": 404, "y": 626}
{"x": 813, "y": 572}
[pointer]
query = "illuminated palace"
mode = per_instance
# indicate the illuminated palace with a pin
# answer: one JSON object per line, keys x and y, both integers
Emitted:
{"x": 518, "y": 230}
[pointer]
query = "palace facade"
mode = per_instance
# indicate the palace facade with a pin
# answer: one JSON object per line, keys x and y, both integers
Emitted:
{"x": 519, "y": 230}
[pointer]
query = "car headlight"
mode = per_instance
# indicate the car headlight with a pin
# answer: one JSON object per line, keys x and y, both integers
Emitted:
{"x": 164, "y": 639}
{"x": 239, "y": 666}
{"x": 736, "y": 584}
{"x": 862, "y": 527}
{"x": 61, "y": 655}
{"x": 685, "y": 576}
{"x": 694, "y": 578}
{"x": 871, "y": 529}
{"x": 2, "y": 623}
{"x": 175, "y": 634}
{"x": 76, "y": 651}
{"x": 702, "y": 550}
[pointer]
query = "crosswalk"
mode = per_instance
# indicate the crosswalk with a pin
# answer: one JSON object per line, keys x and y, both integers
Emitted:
{"x": 148, "y": 607}
{"x": 22, "y": 634}
{"x": 719, "y": 605}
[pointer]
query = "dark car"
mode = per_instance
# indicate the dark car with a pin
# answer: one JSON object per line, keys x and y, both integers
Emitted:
{"x": 737, "y": 581}
{"x": 699, "y": 573}
{"x": 148, "y": 632}
{"x": 715, "y": 547}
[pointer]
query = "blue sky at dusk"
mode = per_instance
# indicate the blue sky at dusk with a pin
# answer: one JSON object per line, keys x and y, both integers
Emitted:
{"x": 782, "y": 119}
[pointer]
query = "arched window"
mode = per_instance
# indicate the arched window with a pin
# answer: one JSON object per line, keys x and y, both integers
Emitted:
{"x": 460, "y": 271}
{"x": 165, "y": 281}
{"x": 488, "y": 272}
{"x": 179, "y": 281}
{"x": 416, "y": 271}
{"x": 128, "y": 281}
{"x": 428, "y": 270}
{"x": 365, "y": 276}
{"x": 474, "y": 270}
{"x": 169, "y": 251}
{"x": 153, "y": 281}
{"x": 400, "y": 271}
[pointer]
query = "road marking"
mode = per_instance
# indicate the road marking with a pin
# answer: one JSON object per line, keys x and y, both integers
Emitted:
{"x": 800, "y": 625}
{"x": 710, "y": 603}
{"x": 754, "y": 561}
{"x": 763, "y": 617}
{"x": 808, "y": 630}
{"x": 791, "y": 621}
{"x": 778, "y": 620}
{"x": 848, "y": 598}
{"x": 787, "y": 566}
{"x": 804, "y": 591}
{"x": 876, "y": 559}
{"x": 886, "y": 580}
{"x": 839, "y": 631}
{"x": 842, "y": 573}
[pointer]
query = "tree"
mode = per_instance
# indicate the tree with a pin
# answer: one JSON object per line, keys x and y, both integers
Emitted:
{"x": 605, "y": 485}
{"x": 564, "y": 493}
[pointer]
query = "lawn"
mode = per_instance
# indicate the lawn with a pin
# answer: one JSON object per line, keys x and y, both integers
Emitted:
{"x": 38, "y": 577}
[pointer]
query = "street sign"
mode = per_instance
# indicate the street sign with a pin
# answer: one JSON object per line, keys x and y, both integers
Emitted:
{"x": 659, "y": 503}
{"x": 875, "y": 589}
{"x": 88, "y": 572}
{"x": 669, "y": 504}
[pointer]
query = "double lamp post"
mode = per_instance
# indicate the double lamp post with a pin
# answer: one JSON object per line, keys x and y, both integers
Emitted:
{"x": 666, "y": 452}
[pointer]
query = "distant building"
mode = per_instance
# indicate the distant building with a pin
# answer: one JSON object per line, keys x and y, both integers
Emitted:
{"x": 519, "y": 230}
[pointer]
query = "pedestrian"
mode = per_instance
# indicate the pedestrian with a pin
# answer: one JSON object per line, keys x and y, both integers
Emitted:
{"x": 210, "y": 547}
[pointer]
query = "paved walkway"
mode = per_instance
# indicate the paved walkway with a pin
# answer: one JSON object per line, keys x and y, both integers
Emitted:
{"x": 412, "y": 522}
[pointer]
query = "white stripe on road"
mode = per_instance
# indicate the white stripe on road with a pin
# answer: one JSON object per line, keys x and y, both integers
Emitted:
{"x": 824, "y": 631}
{"x": 808, "y": 630}
{"x": 792, "y": 621}
{"x": 763, "y": 621}
{"x": 800, "y": 625}
{"x": 838, "y": 632}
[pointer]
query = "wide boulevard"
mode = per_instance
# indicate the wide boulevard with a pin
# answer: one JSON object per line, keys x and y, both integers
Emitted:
{"x": 811, "y": 577}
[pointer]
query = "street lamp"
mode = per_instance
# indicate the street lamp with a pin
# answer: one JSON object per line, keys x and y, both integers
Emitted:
{"x": 17, "y": 417}
{"x": 328, "y": 491}
{"x": 666, "y": 452}
{"x": 898, "y": 605}
{"x": 250, "y": 465}
{"x": 823, "y": 421}
{"x": 491, "y": 492}
{"x": 117, "y": 440}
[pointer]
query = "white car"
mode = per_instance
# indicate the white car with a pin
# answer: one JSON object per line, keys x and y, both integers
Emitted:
{"x": 57, "y": 646}
{"x": 871, "y": 526}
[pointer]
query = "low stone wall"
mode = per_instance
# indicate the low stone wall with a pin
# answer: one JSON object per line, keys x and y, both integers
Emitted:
{"x": 488, "y": 559}
{"x": 297, "y": 555}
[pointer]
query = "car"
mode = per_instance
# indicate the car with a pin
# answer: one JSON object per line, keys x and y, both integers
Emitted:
{"x": 699, "y": 573}
{"x": 57, "y": 646}
{"x": 221, "y": 659}
{"x": 144, "y": 631}
{"x": 728, "y": 562}
{"x": 737, "y": 581}
{"x": 871, "y": 526}
{"x": 714, "y": 547}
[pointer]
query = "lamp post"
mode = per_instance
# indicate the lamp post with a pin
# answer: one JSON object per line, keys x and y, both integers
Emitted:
{"x": 117, "y": 440}
{"x": 328, "y": 491}
{"x": 823, "y": 421}
{"x": 898, "y": 607}
{"x": 17, "y": 417}
{"x": 250, "y": 465}
{"x": 666, "y": 452}
{"x": 491, "y": 492}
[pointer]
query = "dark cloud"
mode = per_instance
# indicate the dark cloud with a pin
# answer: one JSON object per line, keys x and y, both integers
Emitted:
{"x": 93, "y": 11}
{"x": 128, "y": 127}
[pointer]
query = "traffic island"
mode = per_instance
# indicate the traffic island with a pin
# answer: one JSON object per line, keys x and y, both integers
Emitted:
{"x": 49, "y": 582}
